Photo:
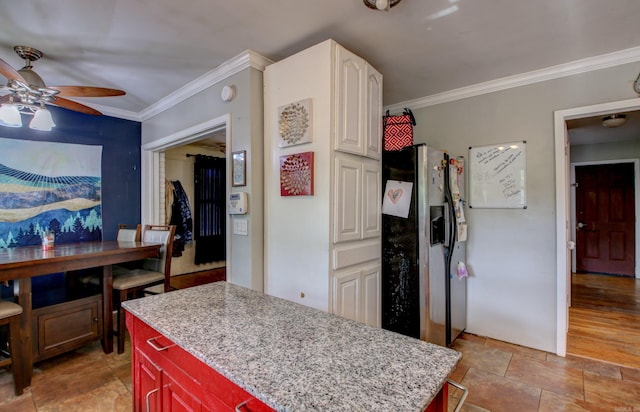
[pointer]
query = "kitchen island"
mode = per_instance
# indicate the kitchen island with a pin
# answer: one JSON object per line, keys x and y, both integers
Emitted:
{"x": 287, "y": 356}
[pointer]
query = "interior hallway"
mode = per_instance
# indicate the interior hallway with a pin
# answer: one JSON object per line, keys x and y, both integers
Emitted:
{"x": 499, "y": 376}
{"x": 604, "y": 318}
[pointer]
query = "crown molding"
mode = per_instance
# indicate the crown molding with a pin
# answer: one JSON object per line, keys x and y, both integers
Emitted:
{"x": 245, "y": 60}
{"x": 604, "y": 61}
{"x": 119, "y": 113}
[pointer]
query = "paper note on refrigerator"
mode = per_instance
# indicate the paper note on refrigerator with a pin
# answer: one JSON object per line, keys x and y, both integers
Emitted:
{"x": 397, "y": 198}
{"x": 461, "y": 235}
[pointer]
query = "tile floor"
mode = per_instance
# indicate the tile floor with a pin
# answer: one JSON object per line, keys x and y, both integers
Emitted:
{"x": 84, "y": 380}
{"x": 505, "y": 377}
{"x": 499, "y": 376}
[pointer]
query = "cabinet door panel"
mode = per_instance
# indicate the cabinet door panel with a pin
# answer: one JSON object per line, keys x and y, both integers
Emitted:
{"x": 347, "y": 198}
{"x": 177, "y": 399}
{"x": 371, "y": 296}
{"x": 371, "y": 199}
{"x": 346, "y": 289}
{"x": 350, "y": 102}
{"x": 147, "y": 383}
{"x": 65, "y": 326}
{"x": 374, "y": 113}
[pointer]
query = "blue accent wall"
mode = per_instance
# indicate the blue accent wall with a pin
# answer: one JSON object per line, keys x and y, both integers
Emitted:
{"x": 120, "y": 140}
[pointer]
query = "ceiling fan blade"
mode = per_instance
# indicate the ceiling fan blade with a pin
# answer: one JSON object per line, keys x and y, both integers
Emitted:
{"x": 71, "y": 105}
{"x": 9, "y": 72}
{"x": 87, "y": 91}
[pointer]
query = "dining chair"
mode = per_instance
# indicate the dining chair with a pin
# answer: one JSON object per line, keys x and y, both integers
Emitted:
{"x": 10, "y": 314}
{"x": 128, "y": 233}
{"x": 129, "y": 283}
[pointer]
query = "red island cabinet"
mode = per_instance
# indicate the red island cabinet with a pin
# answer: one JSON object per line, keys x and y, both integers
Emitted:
{"x": 169, "y": 379}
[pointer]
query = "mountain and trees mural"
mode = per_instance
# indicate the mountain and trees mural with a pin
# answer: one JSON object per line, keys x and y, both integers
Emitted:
{"x": 46, "y": 187}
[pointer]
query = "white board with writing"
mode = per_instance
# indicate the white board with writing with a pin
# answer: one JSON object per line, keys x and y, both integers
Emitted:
{"x": 497, "y": 176}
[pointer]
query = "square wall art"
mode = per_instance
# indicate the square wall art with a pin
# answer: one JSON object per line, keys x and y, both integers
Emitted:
{"x": 294, "y": 123}
{"x": 296, "y": 174}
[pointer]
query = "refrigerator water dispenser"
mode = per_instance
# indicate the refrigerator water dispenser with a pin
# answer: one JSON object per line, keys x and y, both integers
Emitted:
{"x": 437, "y": 225}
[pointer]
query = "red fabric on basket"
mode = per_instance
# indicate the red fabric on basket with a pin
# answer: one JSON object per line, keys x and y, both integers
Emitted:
{"x": 398, "y": 131}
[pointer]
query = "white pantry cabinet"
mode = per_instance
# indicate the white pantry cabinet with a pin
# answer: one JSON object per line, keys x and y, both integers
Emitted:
{"x": 323, "y": 250}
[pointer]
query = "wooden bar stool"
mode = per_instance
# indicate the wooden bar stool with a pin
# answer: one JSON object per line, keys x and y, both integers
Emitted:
{"x": 10, "y": 314}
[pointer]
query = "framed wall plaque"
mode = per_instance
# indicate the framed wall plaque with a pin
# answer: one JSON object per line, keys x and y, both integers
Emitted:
{"x": 296, "y": 174}
{"x": 239, "y": 168}
{"x": 295, "y": 123}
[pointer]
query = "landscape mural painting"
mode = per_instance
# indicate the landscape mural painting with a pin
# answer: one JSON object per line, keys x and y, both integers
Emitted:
{"x": 49, "y": 187}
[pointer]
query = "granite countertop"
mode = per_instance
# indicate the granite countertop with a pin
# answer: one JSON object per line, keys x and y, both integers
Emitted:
{"x": 296, "y": 358}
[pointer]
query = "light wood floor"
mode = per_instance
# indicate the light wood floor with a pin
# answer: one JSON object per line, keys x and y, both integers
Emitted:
{"x": 604, "y": 319}
{"x": 198, "y": 278}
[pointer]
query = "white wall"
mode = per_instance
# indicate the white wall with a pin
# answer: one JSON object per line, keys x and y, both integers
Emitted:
{"x": 297, "y": 227}
{"x": 606, "y": 151}
{"x": 244, "y": 259}
{"x": 512, "y": 252}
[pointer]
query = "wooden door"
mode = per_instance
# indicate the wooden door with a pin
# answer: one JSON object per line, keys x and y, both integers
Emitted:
{"x": 605, "y": 219}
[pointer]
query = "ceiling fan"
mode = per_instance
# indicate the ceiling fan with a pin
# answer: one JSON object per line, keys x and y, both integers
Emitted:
{"x": 27, "y": 91}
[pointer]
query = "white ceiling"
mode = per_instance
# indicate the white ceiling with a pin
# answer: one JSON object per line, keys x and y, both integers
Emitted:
{"x": 151, "y": 48}
{"x": 589, "y": 130}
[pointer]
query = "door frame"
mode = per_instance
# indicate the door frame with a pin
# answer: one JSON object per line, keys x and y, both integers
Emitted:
{"x": 152, "y": 172}
{"x": 636, "y": 188}
{"x": 563, "y": 275}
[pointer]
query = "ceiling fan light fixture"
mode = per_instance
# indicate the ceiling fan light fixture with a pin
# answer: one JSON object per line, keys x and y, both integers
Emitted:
{"x": 28, "y": 93}
{"x": 42, "y": 120}
{"x": 381, "y": 5}
{"x": 614, "y": 120}
{"x": 10, "y": 115}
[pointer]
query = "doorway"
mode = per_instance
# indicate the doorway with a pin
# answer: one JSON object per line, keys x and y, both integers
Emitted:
{"x": 564, "y": 230}
{"x": 153, "y": 167}
{"x": 196, "y": 253}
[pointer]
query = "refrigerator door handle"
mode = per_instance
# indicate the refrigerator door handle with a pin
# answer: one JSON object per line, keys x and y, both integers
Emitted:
{"x": 447, "y": 225}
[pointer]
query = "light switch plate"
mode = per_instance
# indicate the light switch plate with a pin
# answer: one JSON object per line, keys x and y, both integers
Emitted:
{"x": 240, "y": 227}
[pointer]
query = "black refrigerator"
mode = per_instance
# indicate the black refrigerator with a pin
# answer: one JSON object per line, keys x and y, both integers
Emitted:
{"x": 424, "y": 289}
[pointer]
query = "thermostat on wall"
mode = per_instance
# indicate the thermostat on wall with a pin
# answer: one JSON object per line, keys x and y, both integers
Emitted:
{"x": 237, "y": 203}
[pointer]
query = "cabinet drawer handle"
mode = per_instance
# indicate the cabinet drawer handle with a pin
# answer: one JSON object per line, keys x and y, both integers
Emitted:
{"x": 241, "y": 404}
{"x": 152, "y": 343}
{"x": 465, "y": 392}
{"x": 151, "y": 392}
